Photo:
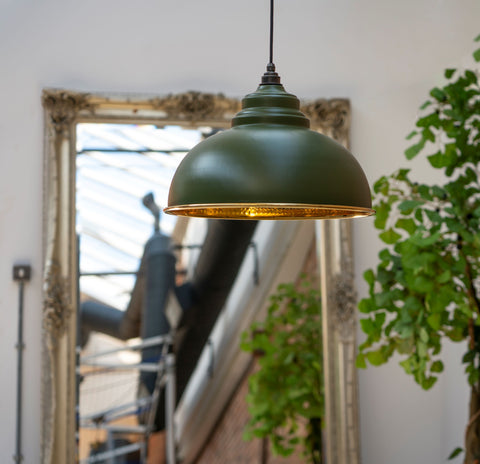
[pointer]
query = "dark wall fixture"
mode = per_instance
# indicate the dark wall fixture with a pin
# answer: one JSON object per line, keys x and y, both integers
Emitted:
{"x": 21, "y": 274}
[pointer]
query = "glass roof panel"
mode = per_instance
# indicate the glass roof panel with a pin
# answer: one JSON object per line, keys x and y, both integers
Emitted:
{"x": 117, "y": 165}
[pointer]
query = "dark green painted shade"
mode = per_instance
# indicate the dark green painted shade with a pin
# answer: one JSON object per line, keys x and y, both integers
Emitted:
{"x": 269, "y": 157}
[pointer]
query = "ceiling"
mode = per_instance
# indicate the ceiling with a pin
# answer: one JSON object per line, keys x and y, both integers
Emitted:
{"x": 117, "y": 165}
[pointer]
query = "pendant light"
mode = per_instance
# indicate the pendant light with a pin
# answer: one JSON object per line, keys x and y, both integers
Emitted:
{"x": 269, "y": 165}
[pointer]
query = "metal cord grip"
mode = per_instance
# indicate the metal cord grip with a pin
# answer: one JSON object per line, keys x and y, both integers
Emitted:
{"x": 270, "y": 76}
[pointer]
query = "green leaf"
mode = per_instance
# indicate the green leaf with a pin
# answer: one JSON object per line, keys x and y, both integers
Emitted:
{"x": 438, "y": 192}
{"x": 437, "y": 366}
{"x": 422, "y": 349}
{"x": 407, "y": 365}
{"x": 451, "y": 155}
{"x": 444, "y": 277}
{"x": 476, "y": 55}
{"x": 405, "y": 345}
{"x": 367, "y": 305}
{"x": 380, "y": 320}
{"x": 428, "y": 135}
{"x": 402, "y": 174}
{"x": 468, "y": 357}
{"x": 437, "y": 160}
{"x": 419, "y": 215}
{"x": 435, "y": 321}
{"x": 428, "y": 383}
{"x": 456, "y": 451}
{"x": 423, "y": 335}
{"x": 411, "y": 135}
{"x": 422, "y": 284}
{"x": 455, "y": 334}
{"x": 426, "y": 241}
{"x": 477, "y": 39}
{"x": 381, "y": 186}
{"x": 385, "y": 255}
{"x": 425, "y": 105}
{"x": 390, "y": 236}
{"x": 449, "y": 73}
{"x": 368, "y": 326}
{"x": 424, "y": 191}
{"x": 360, "y": 362}
{"x": 382, "y": 214}
{"x": 473, "y": 377}
{"x": 471, "y": 175}
{"x": 369, "y": 276}
{"x": 449, "y": 158}
{"x": 407, "y": 206}
{"x": 471, "y": 76}
{"x": 406, "y": 224}
{"x": 382, "y": 300}
{"x": 438, "y": 94}
{"x": 414, "y": 150}
{"x": 432, "y": 119}
{"x": 376, "y": 358}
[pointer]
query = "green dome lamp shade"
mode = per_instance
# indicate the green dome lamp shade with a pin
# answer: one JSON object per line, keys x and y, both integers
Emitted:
{"x": 269, "y": 165}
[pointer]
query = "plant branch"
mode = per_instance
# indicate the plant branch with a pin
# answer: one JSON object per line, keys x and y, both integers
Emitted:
{"x": 470, "y": 287}
{"x": 472, "y": 421}
{"x": 471, "y": 333}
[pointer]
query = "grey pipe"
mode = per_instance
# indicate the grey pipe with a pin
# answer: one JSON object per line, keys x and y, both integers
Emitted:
{"x": 159, "y": 264}
{"x": 149, "y": 203}
{"x": 102, "y": 318}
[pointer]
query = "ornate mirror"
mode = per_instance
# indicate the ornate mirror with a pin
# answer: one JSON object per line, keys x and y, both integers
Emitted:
{"x": 64, "y": 110}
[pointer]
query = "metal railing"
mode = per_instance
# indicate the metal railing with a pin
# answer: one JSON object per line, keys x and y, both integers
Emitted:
{"x": 102, "y": 419}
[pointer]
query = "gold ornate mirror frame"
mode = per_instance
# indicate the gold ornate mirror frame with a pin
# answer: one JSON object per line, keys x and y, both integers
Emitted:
{"x": 63, "y": 111}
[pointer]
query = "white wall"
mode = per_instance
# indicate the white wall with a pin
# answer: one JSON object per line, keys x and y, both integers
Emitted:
{"x": 384, "y": 55}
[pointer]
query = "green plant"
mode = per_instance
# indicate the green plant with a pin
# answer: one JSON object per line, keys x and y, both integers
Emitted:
{"x": 426, "y": 287}
{"x": 286, "y": 392}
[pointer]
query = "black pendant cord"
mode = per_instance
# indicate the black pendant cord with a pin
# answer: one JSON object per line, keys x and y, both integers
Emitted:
{"x": 271, "y": 35}
{"x": 270, "y": 76}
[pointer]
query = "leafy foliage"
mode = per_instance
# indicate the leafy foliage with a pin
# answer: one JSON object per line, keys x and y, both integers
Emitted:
{"x": 425, "y": 287}
{"x": 455, "y": 453}
{"x": 287, "y": 389}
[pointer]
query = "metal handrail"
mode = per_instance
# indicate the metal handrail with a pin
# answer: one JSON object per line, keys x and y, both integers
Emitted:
{"x": 121, "y": 450}
{"x": 142, "y": 367}
{"x": 146, "y": 343}
{"x": 165, "y": 369}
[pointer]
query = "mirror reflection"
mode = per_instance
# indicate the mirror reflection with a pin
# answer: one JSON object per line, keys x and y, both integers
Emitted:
{"x": 153, "y": 307}
{"x": 126, "y": 273}
{"x": 138, "y": 285}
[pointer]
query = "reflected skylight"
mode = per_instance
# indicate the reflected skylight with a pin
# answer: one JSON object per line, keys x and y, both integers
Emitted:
{"x": 117, "y": 165}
